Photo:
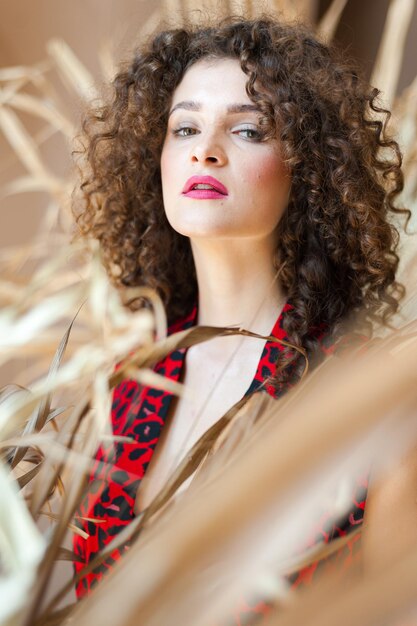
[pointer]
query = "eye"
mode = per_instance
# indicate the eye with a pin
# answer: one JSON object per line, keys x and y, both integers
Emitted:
{"x": 184, "y": 131}
{"x": 250, "y": 133}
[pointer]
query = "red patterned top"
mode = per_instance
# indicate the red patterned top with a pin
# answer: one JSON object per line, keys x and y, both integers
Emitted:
{"x": 140, "y": 412}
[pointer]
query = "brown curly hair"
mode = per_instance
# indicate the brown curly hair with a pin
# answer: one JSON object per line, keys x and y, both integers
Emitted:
{"x": 336, "y": 239}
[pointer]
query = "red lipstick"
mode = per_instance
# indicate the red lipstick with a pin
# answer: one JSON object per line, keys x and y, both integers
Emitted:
{"x": 204, "y": 188}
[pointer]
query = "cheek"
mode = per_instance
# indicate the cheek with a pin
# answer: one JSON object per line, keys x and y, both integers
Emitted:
{"x": 268, "y": 175}
{"x": 165, "y": 166}
{"x": 268, "y": 189}
{"x": 168, "y": 175}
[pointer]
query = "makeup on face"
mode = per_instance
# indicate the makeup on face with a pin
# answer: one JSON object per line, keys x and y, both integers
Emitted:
{"x": 220, "y": 176}
{"x": 204, "y": 188}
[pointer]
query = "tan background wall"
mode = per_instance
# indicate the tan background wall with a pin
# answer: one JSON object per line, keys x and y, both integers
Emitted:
{"x": 25, "y": 28}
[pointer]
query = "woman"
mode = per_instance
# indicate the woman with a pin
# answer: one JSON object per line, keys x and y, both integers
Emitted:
{"x": 241, "y": 171}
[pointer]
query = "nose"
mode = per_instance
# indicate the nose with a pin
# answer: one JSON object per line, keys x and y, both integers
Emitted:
{"x": 207, "y": 149}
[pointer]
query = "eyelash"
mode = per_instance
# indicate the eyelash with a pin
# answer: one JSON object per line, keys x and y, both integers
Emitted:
{"x": 257, "y": 137}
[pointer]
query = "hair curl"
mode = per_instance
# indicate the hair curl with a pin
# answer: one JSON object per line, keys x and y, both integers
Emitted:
{"x": 335, "y": 237}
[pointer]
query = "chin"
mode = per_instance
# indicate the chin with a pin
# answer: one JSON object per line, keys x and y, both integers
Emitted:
{"x": 209, "y": 233}
{"x": 202, "y": 230}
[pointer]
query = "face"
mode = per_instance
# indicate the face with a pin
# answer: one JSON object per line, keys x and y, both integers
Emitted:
{"x": 220, "y": 178}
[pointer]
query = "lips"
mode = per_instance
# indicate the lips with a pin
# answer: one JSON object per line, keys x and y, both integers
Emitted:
{"x": 212, "y": 187}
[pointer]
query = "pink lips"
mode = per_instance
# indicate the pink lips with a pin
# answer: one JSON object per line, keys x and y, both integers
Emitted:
{"x": 217, "y": 189}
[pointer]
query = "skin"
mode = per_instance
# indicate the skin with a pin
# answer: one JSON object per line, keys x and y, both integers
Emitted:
{"x": 233, "y": 239}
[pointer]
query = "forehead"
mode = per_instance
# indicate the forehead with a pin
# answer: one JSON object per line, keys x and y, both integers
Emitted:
{"x": 214, "y": 82}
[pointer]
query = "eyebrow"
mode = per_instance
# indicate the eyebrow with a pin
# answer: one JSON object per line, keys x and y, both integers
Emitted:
{"x": 191, "y": 105}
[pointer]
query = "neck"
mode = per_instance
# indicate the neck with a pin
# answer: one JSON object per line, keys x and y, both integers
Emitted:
{"x": 237, "y": 284}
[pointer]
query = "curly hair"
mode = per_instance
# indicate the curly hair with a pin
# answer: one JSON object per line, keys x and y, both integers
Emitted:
{"x": 337, "y": 246}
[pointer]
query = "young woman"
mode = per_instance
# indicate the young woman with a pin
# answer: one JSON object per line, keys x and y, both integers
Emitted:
{"x": 242, "y": 171}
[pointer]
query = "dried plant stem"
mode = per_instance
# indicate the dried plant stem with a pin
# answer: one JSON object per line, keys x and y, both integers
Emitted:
{"x": 206, "y": 529}
{"x": 372, "y": 599}
{"x": 71, "y": 502}
{"x": 328, "y": 24}
{"x": 71, "y": 69}
{"x": 118, "y": 542}
{"x": 24, "y": 145}
{"x": 387, "y": 67}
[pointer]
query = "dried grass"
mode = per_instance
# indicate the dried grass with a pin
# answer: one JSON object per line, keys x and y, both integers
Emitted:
{"x": 388, "y": 65}
{"x": 185, "y": 564}
{"x": 326, "y": 29}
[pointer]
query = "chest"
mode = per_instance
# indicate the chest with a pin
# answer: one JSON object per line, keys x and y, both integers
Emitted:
{"x": 212, "y": 386}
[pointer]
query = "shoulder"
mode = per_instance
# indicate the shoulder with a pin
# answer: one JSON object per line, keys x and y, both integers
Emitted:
{"x": 326, "y": 341}
{"x": 331, "y": 345}
{"x": 183, "y": 322}
{"x": 129, "y": 394}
